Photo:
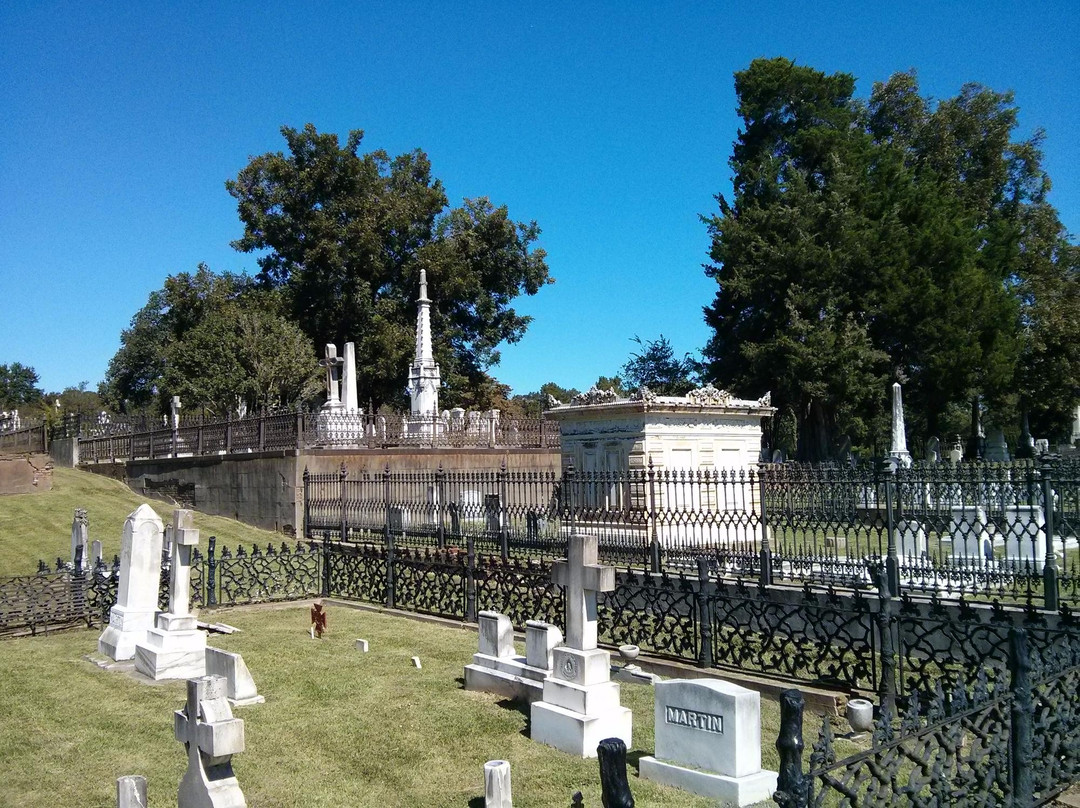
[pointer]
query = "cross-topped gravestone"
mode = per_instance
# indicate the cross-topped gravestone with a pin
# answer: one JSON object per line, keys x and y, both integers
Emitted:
{"x": 211, "y": 736}
{"x": 333, "y": 364}
{"x": 79, "y": 538}
{"x": 581, "y": 704}
{"x": 583, "y": 578}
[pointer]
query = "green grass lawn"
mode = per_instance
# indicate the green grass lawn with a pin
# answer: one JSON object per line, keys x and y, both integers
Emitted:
{"x": 38, "y": 526}
{"x": 339, "y": 727}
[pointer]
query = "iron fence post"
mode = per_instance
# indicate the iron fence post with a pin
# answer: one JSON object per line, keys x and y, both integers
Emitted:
{"x": 390, "y": 599}
{"x": 211, "y": 572}
{"x": 791, "y": 785}
{"x": 765, "y": 545}
{"x": 504, "y": 536}
{"x": 386, "y": 503}
{"x": 654, "y": 536}
{"x": 306, "y": 529}
{"x": 892, "y": 562}
{"x": 324, "y": 558}
{"x": 705, "y": 656}
{"x": 298, "y": 425}
{"x": 228, "y": 432}
{"x": 260, "y": 430}
{"x": 440, "y": 496}
{"x": 1050, "y": 570}
{"x": 885, "y": 623}
{"x": 470, "y": 579}
{"x": 342, "y": 474}
{"x": 1020, "y": 723}
{"x": 78, "y": 585}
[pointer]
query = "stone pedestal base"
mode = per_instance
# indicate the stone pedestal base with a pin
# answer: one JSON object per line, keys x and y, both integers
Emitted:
{"x": 577, "y": 733}
{"x": 176, "y": 649}
{"x": 127, "y": 628}
{"x": 510, "y": 677}
{"x": 728, "y": 790}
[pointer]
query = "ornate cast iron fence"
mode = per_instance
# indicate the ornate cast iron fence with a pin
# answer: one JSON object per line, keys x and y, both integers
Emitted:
{"x": 977, "y": 532}
{"x": 1010, "y": 743}
{"x": 27, "y": 439}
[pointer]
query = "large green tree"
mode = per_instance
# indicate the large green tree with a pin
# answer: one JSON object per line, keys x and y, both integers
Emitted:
{"x": 18, "y": 386}
{"x": 217, "y": 341}
{"x": 880, "y": 240}
{"x": 344, "y": 235}
{"x": 655, "y": 366}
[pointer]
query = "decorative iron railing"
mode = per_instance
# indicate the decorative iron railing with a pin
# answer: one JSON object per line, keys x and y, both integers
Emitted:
{"x": 980, "y": 532}
{"x": 25, "y": 439}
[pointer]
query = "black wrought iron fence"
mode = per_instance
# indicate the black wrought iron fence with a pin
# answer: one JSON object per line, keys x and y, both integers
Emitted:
{"x": 983, "y": 743}
{"x": 26, "y": 439}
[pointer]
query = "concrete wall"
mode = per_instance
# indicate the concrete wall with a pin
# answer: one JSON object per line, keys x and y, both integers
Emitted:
{"x": 266, "y": 489}
{"x": 65, "y": 452}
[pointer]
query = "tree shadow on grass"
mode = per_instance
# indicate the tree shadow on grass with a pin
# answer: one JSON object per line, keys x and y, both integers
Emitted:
{"x": 522, "y": 707}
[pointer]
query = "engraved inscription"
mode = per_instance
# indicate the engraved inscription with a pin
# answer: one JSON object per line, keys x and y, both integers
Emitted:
{"x": 707, "y": 722}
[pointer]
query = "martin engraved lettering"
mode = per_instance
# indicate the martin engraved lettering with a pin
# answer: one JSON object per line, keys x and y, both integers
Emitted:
{"x": 706, "y": 722}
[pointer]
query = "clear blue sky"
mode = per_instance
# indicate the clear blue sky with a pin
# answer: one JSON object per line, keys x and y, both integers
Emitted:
{"x": 610, "y": 124}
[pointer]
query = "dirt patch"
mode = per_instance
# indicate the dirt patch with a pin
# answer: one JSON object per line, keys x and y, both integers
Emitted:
{"x": 25, "y": 473}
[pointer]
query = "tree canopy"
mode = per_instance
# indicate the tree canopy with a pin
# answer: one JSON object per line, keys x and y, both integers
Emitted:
{"x": 18, "y": 386}
{"x": 344, "y": 236}
{"x": 656, "y": 367}
{"x": 217, "y": 341}
{"x": 891, "y": 239}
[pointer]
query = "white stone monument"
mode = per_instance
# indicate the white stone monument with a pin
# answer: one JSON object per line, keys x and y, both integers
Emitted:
{"x": 1075, "y": 437}
{"x": 131, "y": 791}
{"x": 581, "y": 704}
{"x": 211, "y": 737}
{"x": 971, "y": 540}
{"x": 239, "y": 685}
{"x": 80, "y": 540}
{"x": 175, "y": 648}
{"x": 997, "y": 450}
{"x": 497, "y": 668}
{"x": 899, "y": 431}
{"x": 497, "y": 792}
{"x": 137, "y": 588}
{"x": 424, "y": 376}
{"x": 350, "y": 402}
{"x": 708, "y": 741}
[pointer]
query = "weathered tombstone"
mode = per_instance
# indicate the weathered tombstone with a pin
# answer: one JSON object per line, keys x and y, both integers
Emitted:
{"x": 211, "y": 737}
{"x": 497, "y": 784}
{"x": 970, "y": 538}
{"x": 1074, "y": 439}
{"x": 95, "y": 553}
{"x": 997, "y": 450}
{"x": 581, "y": 703}
{"x": 349, "y": 398}
{"x": 496, "y": 668}
{"x": 240, "y": 688}
{"x": 131, "y": 791}
{"x": 79, "y": 538}
{"x": 708, "y": 741}
{"x": 137, "y": 588}
{"x": 933, "y": 450}
{"x": 175, "y": 648}
{"x": 614, "y": 786}
{"x": 1025, "y": 536}
{"x": 396, "y": 515}
{"x": 492, "y": 513}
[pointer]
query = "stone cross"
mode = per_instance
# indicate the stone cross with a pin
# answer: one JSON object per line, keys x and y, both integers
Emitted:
{"x": 211, "y": 737}
{"x": 175, "y": 412}
{"x": 184, "y": 539}
{"x": 583, "y": 578}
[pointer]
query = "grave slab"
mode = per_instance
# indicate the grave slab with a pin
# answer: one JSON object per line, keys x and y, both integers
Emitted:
{"x": 137, "y": 587}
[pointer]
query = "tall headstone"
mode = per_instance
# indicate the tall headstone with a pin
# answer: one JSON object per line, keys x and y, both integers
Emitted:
{"x": 581, "y": 704}
{"x": 1075, "y": 438}
{"x": 211, "y": 736}
{"x": 424, "y": 377}
{"x": 349, "y": 398}
{"x": 174, "y": 413}
{"x": 80, "y": 539}
{"x": 333, "y": 364}
{"x": 708, "y": 741}
{"x": 137, "y": 588}
{"x": 899, "y": 431}
{"x": 997, "y": 450}
{"x": 175, "y": 648}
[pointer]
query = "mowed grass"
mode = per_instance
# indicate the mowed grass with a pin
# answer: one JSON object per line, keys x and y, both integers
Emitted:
{"x": 38, "y": 526}
{"x": 340, "y": 728}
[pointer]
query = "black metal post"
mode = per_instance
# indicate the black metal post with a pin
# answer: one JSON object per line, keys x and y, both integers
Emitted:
{"x": 766, "y": 572}
{"x": 654, "y": 536}
{"x": 342, "y": 474}
{"x": 228, "y": 432}
{"x": 78, "y": 585}
{"x": 1050, "y": 570}
{"x": 386, "y": 504}
{"x": 306, "y": 529}
{"x": 614, "y": 786}
{"x": 211, "y": 572}
{"x": 892, "y": 562}
{"x": 791, "y": 785}
{"x": 390, "y": 599}
{"x": 504, "y": 536}
{"x": 440, "y": 497}
{"x": 885, "y": 621}
{"x": 704, "y": 601}
{"x": 470, "y": 579}
{"x": 260, "y": 426}
{"x": 325, "y": 557}
{"x": 1022, "y": 711}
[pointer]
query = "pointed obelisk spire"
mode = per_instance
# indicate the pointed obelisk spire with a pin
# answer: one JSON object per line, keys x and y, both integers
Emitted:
{"x": 899, "y": 432}
{"x": 424, "y": 376}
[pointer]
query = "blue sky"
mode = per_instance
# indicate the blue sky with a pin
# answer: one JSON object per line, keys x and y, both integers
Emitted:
{"x": 610, "y": 124}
